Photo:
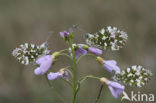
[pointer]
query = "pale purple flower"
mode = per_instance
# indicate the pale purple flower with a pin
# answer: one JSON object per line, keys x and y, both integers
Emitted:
{"x": 80, "y": 51}
{"x": 45, "y": 63}
{"x": 65, "y": 33}
{"x": 53, "y": 76}
{"x": 70, "y": 30}
{"x": 111, "y": 65}
{"x": 115, "y": 88}
{"x": 95, "y": 50}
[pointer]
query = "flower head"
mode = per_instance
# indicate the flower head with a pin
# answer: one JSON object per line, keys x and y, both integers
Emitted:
{"x": 66, "y": 34}
{"x": 28, "y": 53}
{"x": 63, "y": 74}
{"x": 115, "y": 88}
{"x": 82, "y": 49}
{"x": 109, "y": 38}
{"x": 78, "y": 50}
{"x": 134, "y": 76}
{"x": 109, "y": 65}
{"x": 44, "y": 63}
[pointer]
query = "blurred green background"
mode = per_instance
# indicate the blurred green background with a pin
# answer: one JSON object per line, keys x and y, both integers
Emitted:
{"x": 31, "y": 21}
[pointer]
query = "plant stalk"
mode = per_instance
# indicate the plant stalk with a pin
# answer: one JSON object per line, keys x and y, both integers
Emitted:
{"x": 99, "y": 94}
{"x": 74, "y": 74}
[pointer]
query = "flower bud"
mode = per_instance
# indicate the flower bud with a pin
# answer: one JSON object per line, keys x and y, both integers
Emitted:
{"x": 67, "y": 35}
{"x": 100, "y": 60}
{"x": 85, "y": 47}
{"x": 104, "y": 80}
{"x": 95, "y": 50}
{"x": 55, "y": 54}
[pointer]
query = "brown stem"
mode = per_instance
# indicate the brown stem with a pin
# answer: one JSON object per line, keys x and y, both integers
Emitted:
{"x": 99, "y": 94}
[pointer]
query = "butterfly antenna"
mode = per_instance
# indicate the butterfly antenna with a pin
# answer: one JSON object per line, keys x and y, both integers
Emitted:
{"x": 80, "y": 29}
{"x": 49, "y": 35}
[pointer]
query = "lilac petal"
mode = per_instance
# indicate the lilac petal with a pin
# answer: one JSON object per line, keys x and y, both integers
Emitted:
{"x": 115, "y": 88}
{"x": 40, "y": 60}
{"x": 70, "y": 30}
{"x": 113, "y": 92}
{"x": 77, "y": 54}
{"x": 95, "y": 50}
{"x": 66, "y": 33}
{"x": 53, "y": 76}
{"x": 111, "y": 66}
{"x": 37, "y": 71}
{"x": 45, "y": 63}
{"x": 112, "y": 62}
{"x": 62, "y": 34}
{"x": 80, "y": 51}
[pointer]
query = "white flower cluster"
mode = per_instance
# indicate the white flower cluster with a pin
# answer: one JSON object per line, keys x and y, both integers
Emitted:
{"x": 28, "y": 53}
{"x": 134, "y": 76}
{"x": 109, "y": 38}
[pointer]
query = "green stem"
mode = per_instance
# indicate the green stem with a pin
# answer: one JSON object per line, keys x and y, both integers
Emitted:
{"x": 74, "y": 73}
{"x": 86, "y": 77}
{"x": 48, "y": 82}
{"x": 63, "y": 50}
{"x": 68, "y": 82}
{"x": 83, "y": 79}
